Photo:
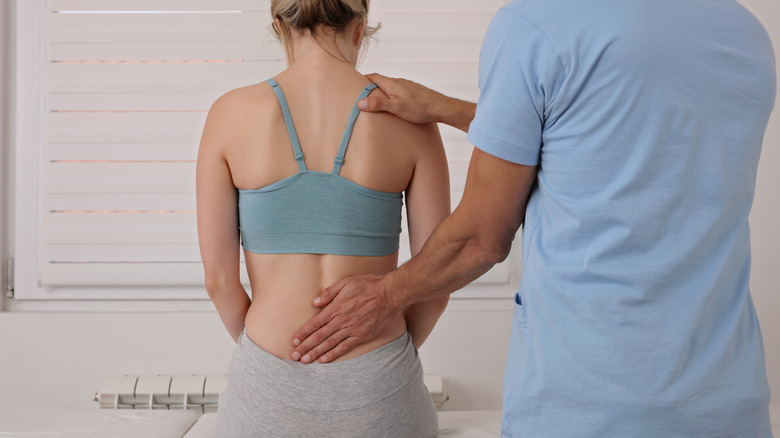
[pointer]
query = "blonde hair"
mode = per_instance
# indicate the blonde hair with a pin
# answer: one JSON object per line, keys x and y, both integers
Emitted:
{"x": 312, "y": 15}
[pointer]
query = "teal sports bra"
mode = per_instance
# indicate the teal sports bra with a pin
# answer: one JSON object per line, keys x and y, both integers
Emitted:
{"x": 314, "y": 212}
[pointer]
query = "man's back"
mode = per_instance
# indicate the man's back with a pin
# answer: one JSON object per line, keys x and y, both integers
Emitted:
{"x": 646, "y": 117}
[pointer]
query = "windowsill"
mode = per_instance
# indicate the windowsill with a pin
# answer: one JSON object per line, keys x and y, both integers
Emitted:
{"x": 457, "y": 304}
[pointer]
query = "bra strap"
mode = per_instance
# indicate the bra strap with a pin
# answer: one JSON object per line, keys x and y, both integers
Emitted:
{"x": 290, "y": 127}
{"x": 348, "y": 132}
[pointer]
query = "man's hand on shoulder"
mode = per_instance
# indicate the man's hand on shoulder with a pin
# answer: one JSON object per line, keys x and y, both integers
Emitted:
{"x": 416, "y": 103}
{"x": 406, "y": 99}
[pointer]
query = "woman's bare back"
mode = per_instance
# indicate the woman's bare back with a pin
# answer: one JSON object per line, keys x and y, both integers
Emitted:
{"x": 381, "y": 156}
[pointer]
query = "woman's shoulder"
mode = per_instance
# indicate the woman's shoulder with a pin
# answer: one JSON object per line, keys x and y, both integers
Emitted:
{"x": 240, "y": 100}
{"x": 402, "y": 133}
{"x": 245, "y": 106}
{"x": 233, "y": 111}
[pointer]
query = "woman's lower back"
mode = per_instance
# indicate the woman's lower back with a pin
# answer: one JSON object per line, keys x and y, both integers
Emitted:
{"x": 376, "y": 390}
{"x": 284, "y": 287}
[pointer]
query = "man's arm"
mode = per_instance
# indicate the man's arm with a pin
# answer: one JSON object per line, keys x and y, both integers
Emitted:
{"x": 418, "y": 104}
{"x": 467, "y": 244}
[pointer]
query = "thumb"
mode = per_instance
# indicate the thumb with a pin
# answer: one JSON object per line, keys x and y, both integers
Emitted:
{"x": 329, "y": 293}
{"x": 373, "y": 104}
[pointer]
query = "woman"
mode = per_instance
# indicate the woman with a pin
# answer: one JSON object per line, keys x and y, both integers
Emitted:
{"x": 312, "y": 202}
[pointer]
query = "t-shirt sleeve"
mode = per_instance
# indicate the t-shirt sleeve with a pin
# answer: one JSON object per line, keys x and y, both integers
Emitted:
{"x": 519, "y": 76}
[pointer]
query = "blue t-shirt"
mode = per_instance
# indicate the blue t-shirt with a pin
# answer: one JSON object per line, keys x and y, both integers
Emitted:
{"x": 646, "y": 119}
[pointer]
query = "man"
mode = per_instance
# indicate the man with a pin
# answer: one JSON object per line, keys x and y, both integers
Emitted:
{"x": 625, "y": 135}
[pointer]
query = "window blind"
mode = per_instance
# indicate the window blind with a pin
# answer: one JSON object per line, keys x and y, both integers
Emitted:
{"x": 126, "y": 86}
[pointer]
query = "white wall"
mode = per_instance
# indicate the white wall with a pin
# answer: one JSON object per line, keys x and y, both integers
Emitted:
{"x": 58, "y": 359}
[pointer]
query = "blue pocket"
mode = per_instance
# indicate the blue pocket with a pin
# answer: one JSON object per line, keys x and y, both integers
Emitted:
{"x": 520, "y": 314}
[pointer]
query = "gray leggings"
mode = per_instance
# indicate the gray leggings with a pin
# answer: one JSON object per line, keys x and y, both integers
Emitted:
{"x": 378, "y": 394}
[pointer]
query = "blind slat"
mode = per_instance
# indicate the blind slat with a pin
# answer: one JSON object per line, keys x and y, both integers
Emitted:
{"x": 154, "y": 52}
{"x": 124, "y": 127}
{"x": 112, "y": 274}
{"x": 122, "y": 151}
{"x": 130, "y": 253}
{"x": 160, "y": 102}
{"x": 153, "y": 5}
{"x": 159, "y": 28}
{"x": 119, "y": 177}
{"x": 211, "y": 77}
{"x": 175, "y": 202}
{"x": 120, "y": 227}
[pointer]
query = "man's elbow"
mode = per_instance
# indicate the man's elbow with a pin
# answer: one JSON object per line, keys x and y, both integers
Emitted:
{"x": 494, "y": 251}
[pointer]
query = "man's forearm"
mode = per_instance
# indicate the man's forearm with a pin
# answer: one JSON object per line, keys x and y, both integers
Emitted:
{"x": 452, "y": 258}
{"x": 454, "y": 112}
{"x": 467, "y": 244}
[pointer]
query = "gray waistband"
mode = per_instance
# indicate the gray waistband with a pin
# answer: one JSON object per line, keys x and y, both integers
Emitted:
{"x": 345, "y": 385}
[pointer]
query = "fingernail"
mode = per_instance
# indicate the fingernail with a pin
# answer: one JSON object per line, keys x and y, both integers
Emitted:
{"x": 317, "y": 300}
{"x": 297, "y": 342}
{"x": 296, "y": 355}
{"x": 362, "y": 104}
{"x": 324, "y": 359}
{"x": 306, "y": 359}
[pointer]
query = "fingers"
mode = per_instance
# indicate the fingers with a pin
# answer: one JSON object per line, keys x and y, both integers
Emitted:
{"x": 329, "y": 293}
{"x": 319, "y": 342}
{"x": 330, "y": 349}
{"x": 395, "y": 99}
{"x": 319, "y": 321}
{"x": 309, "y": 332}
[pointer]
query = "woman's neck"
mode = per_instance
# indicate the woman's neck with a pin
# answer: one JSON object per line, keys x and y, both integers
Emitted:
{"x": 326, "y": 50}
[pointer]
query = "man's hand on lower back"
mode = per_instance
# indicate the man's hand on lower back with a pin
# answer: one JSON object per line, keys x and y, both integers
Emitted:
{"x": 355, "y": 310}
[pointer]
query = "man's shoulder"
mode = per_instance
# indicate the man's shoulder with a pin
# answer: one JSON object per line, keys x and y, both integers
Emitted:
{"x": 542, "y": 10}
{"x": 552, "y": 16}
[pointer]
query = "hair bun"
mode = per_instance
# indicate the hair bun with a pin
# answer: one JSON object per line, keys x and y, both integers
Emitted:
{"x": 309, "y": 14}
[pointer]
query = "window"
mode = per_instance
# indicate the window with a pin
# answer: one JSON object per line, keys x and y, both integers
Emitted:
{"x": 111, "y": 100}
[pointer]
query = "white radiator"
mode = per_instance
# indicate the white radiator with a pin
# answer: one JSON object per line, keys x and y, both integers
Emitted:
{"x": 194, "y": 393}
{"x": 200, "y": 394}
